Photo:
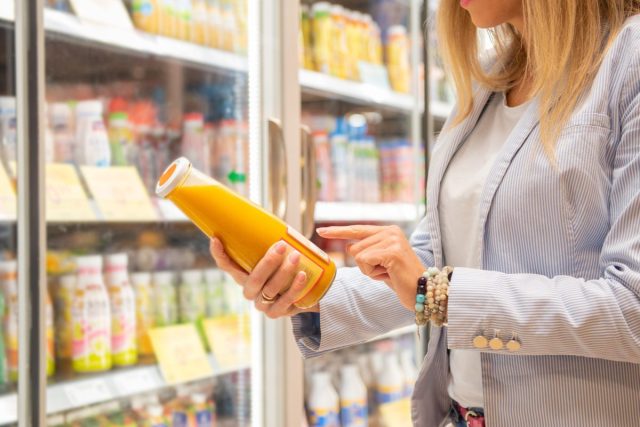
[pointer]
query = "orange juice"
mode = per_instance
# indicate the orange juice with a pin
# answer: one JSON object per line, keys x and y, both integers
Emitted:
{"x": 246, "y": 230}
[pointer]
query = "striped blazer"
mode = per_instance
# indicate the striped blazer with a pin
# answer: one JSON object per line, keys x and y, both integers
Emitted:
{"x": 561, "y": 268}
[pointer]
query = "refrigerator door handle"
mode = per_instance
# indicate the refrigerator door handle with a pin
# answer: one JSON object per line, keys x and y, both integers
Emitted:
{"x": 309, "y": 184}
{"x": 277, "y": 170}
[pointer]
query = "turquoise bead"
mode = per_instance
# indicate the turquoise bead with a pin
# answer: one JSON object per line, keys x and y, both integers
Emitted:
{"x": 419, "y": 307}
{"x": 420, "y": 299}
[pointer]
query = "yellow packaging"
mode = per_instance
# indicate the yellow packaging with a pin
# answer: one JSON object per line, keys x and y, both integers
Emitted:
{"x": 146, "y": 15}
{"x": 398, "y": 58}
{"x": 246, "y": 230}
{"x": 213, "y": 23}
{"x": 322, "y": 36}
{"x": 200, "y": 26}
{"x": 339, "y": 50}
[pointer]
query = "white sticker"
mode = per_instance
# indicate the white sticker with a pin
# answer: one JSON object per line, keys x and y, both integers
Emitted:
{"x": 87, "y": 392}
{"x": 308, "y": 244}
{"x": 136, "y": 382}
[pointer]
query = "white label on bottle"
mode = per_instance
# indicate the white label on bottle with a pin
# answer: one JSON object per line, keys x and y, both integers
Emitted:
{"x": 308, "y": 244}
{"x": 87, "y": 392}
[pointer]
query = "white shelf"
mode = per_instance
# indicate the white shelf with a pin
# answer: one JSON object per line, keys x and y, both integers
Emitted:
{"x": 362, "y": 93}
{"x": 69, "y": 25}
{"x": 378, "y": 212}
{"x": 91, "y": 390}
{"x": 440, "y": 110}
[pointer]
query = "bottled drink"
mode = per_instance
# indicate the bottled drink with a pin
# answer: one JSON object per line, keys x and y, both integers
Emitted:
{"x": 123, "y": 311}
{"x": 323, "y": 402}
{"x": 144, "y": 311}
{"x": 202, "y": 411}
{"x": 353, "y": 398}
{"x": 120, "y": 138}
{"x": 63, "y": 300}
{"x": 146, "y": 15}
{"x": 194, "y": 143}
{"x": 9, "y": 281}
{"x": 216, "y": 300}
{"x": 61, "y": 118}
{"x": 49, "y": 336}
{"x": 322, "y": 33}
{"x": 246, "y": 230}
{"x": 390, "y": 383}
{"x": 191, "y": 296}
{"x": 91, "y": 318}
{"x": 92, "y": 140}
{"x": 339, "y": 143}
{"x": 164, "y": 291}
{"x": 8, "y": 128}
{"x": 398, "y": 58}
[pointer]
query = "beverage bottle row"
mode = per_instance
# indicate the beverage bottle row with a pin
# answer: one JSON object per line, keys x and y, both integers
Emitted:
{"x": 132, "y": 135}
{"x": 220, "y": 24}
{"x": 376, "y": 379}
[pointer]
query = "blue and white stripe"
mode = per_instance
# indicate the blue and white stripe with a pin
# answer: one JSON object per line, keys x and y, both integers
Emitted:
{"x": 561, "y": 268}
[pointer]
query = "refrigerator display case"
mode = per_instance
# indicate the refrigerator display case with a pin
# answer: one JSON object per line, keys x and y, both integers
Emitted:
{"x": 107, "y": 93}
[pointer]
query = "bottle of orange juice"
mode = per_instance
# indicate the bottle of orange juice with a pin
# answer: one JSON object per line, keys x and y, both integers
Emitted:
{"x": 246, "y": 230}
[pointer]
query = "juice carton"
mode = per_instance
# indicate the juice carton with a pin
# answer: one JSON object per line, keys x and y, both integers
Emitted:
{"x": 246, "y": 230}
{"x": 123, "y": 311}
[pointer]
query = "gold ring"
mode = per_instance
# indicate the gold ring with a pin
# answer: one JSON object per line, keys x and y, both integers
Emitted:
{"x": 266, "y": 299}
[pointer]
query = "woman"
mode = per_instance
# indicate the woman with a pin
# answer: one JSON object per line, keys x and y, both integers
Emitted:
{"x": 534, "y": 200}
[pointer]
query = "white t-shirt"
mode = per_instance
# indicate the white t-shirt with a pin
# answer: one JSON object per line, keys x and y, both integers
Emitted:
{"x": 459, "y": 211}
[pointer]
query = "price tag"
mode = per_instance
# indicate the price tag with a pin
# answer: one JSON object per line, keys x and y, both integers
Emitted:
{"x": 129, "y": 383}
{"x": 8, "y": 408}
{"x": 180, "y": 353}
{"x": 397, "y": 414}
{"x": 109, "y": 12}
{"x": 66, "y": 200}
{"x": 374, "y": 74}
{"x": 8, "y": 204}
{"x": 119, "y": 193}
{"x": 87, "y": 392}
{"x": 229, "y": 338}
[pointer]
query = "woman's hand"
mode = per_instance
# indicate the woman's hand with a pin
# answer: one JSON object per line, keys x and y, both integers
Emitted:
{"x": 383, "y": 253}
{"x": 274, "y": 284}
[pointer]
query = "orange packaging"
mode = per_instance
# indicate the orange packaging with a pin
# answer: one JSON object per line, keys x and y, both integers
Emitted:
{"x": 245, "y": 229}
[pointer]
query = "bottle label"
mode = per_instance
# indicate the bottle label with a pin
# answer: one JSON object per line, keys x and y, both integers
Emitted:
{"x": 389, "y": 394}
{"x": 204, "y": 418}
{"x": 353, "y": 413}
{"x": 321, "y": 417}
{"x": 92, "y": 329}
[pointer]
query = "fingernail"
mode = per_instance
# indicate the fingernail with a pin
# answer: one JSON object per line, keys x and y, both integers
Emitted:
{"x": 321, "y": 230}
{"x": 302, "y": 277}
{"x": 294, "y": 258}
{"x": 280, "y": 248}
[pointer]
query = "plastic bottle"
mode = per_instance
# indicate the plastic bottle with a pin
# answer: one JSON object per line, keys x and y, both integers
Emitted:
{"x": 164, "y": 291}
{"x": 398, "y": 58}
{"x": 391, "y": 381}
{"x": 156, "y": 416}
{"x": 8, "y": 128}
{"x": 246, "y": 230}
{"x": 191, "y": 297}
{"x": 323, "y": 166}
{"x": 200, "y": 34}
{"x": 353, "y": 398}
{"x": 216, "y": 300}
{"x": 144, "y": 311}
{"x": 339, "y": 142}
{"x": 168, "y": 18}
{"x": 202, "y": 411}
{"x": 9, "y": 282}
{"x": 63, "y": 301}
{"x": 91, "y": 318}
{"x": 213, "y": 23}
{"x": 61, "y": 116}
{"x": 49, "y": 336}
{"x": 322, "y": 32}
{"x": 123, "y": 311}
{"x": 339, "y": 49}
{"x": 185, "y": 20}
{"x": 323, "y": 402}
{"x": 409, "y": 371}
{"x": 120, "y": 138}
{"x": 305, "y": 35}
{"x": 194, "y": 143}
{"x": 92, "y": 139}
{"x": 146, "y": 15}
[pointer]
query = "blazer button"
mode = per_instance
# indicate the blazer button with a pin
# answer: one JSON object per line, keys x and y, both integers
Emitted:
{"x": 496, "y": 344}
{"x": 513, "y": 345}
{"x": 480, "y": 342}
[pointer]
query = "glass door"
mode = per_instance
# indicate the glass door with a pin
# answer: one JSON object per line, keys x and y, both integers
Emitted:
{"x": 362, "y": 105}
{"x": 136, "y": 325}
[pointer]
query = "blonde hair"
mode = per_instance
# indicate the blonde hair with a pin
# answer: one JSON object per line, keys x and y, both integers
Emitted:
{"x": 565, "y": 42}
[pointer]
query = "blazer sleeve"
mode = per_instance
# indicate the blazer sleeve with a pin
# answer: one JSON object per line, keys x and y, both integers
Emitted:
{"x": 567, "y": 315}
{"x": 356, "y": 308}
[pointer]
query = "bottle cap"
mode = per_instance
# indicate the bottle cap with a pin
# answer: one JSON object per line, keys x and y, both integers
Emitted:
{"x": 141, "y": 279}
{"x": 173, "y": 176}
{"x": 192, "y": 277}
{"x": 116, "y": 260}
{"x": 163, "y": 278}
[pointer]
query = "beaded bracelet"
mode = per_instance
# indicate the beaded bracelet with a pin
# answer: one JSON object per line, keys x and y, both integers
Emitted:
{"x": 432, "y": 296}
